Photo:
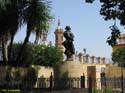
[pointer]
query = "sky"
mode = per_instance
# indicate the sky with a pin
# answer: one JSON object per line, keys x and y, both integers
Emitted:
{"x": 87, "y": 25}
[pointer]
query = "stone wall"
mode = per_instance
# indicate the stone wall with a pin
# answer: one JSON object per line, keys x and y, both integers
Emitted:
{"x": 45, "y": 72}
{"x": 70, "y": 69}
{"x": 114, "y": 71}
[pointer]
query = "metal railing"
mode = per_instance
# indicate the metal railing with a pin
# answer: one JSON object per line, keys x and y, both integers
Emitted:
{"x": 50, "y": 84}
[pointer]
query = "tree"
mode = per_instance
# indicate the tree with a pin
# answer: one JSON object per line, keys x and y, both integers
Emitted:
{"x": 9, "y": 17}
{"x": 47, "y": 55}
{"x": 26, "y": 59}
{"x": 118, "y": 56}
{"x": 16, "y": 13}
{"x": 41, "y": 31}
{"x": 112, "y": 10}
{"x": 40, "y": 55}
{"x": 36, "y": 12}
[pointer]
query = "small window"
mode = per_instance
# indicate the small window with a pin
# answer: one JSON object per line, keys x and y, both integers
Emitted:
{"x": 56, "y": 37}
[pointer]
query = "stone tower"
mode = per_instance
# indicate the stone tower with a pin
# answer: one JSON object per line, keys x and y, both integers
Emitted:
{"x": 59, "y": 36}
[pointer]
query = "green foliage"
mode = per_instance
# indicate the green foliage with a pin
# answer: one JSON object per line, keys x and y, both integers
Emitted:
{"x": 112, "y": 10}
{"x": 38, "y": 55}
{"x": 15, "y": 13}
{"x": 89, "y": 1}
{"x": 47, "y": 55}
{"x": 107, "y": 90}
{"x": 26, "y": 59}
{"x": 23, "y": 78}
{"x": 112, "y": 40}
{"x": 103, "y": 90}
{"x": 118, "y": 56}
{"x": 34, "y": 12}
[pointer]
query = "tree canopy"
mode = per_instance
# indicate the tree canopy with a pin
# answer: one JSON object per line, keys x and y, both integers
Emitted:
{"x": 118, "y": 56}
{"x": 112, "y": 10}
{"x": 47, "y": 55}
{"x": 16, "y": 13}
{"x": 39, "y": 55}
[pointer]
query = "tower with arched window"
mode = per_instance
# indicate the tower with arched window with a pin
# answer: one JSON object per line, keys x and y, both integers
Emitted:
{"x": 59, "y": 36}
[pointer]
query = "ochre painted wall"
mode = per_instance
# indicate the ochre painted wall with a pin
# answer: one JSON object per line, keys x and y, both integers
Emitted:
{"x": 114, "y": 71}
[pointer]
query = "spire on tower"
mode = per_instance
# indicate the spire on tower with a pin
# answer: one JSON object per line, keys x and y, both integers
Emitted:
{"x": 59, "y": 24}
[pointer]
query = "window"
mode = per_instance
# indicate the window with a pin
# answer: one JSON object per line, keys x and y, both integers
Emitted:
{"x": 57, "y": 37}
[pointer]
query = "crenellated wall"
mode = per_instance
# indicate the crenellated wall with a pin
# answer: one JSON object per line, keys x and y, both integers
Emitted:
{"x": 87, "y": 59}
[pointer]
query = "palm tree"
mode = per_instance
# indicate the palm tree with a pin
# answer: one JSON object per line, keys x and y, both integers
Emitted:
{"x": 41, "y": 31}
{"x": 8, "y": 24}
{"x": 35, "y": 12}
{"x": 13, "y": 13}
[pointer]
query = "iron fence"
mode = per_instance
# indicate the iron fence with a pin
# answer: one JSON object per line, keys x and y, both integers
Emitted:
{"x": 50, "y": 84}
{"x": 58, "y": 83}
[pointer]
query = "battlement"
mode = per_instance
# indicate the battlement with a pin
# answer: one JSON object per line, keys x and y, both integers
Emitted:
{"x": 87, "y": 59}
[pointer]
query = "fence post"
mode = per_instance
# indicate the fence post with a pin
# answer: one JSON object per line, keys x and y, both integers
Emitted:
{"x": 51, "y": 82}
{"x": 83, "y": 81}
{"x": 105, "y": 84}
{"x": 115, "y": 82}
{"x": 90, "y": 84}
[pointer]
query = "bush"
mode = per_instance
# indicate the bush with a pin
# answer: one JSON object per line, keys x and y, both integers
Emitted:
{"x": 38, "y": 55}
{"x": 26, "y": 59}
{"x": 47, "y": 56}
{"x": 24, "y": 80}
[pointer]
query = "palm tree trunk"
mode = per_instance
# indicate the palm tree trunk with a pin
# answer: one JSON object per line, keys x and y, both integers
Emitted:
{"x": 10, "y": 48}
{"x": 23, "y": 46}
{"x": 36, "y": 40}
{"x": 4, "y": 49}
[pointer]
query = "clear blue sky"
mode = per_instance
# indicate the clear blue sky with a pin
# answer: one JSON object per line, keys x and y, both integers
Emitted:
{"x": 88, "y": 26}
